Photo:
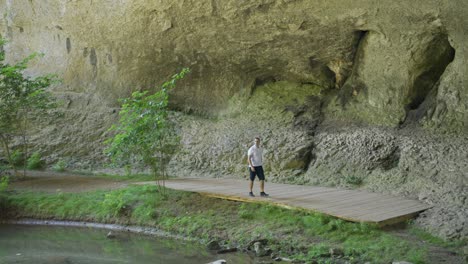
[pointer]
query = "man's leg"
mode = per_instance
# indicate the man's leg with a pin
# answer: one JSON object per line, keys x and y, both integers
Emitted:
{"x": 252, "y": 178}
{"x": 261, "y": 177}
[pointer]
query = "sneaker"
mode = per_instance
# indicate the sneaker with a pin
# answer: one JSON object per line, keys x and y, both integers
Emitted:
{"x": 264, "y": 194}
{"x": 251, "y": 194}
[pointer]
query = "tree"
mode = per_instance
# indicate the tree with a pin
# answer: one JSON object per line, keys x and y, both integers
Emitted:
{"x": 21, "y": 99}
{"x": 144, "y": 134}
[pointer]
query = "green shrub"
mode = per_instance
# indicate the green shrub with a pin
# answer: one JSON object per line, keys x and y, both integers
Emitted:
{"x": 3, "y": 198}
{"x": 128, "y": 170}
{"x": 60, "y": 166}
{"x": 353, "y": 180}
{"x": 3, "y": 183}
{"x": 17, "y": 158}
{"x": 35, "y": 161}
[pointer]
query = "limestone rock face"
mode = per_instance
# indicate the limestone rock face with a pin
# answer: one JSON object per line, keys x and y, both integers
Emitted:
{"x": 342, "y": 92}
{"x": 388, "y": 57}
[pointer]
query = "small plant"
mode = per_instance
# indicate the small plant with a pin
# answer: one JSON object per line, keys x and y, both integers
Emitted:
{"x": 3, "y": 198}
{"x": 114, "y": 203}
{"x": 3, "y": 183}
{"x": 353, "y": 180}
{"x": 17, "y": 158}
{"x": 144, "y": 132}
{"x": 60, "y": 166}
{"x": 128, "y": 170}
{"x": 35, "y": 161}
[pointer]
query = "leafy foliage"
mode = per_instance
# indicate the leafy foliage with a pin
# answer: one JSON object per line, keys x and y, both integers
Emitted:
{"x": 3, "y": 183}
{"x": 21, "y": 99}
{"x": 17, "y": 157}
{"x": 144, "y": 134}
{"x": 4, "y": 180}
{"x": 353, "y": 180}
{"x": 60, "y": 166}
{"x": 35, "y": 161}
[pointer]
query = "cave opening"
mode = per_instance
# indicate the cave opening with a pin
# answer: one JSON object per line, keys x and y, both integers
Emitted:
{"x": 439, "y": 55}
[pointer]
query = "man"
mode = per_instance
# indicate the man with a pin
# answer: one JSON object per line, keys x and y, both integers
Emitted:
{"x": 255, "y": 160}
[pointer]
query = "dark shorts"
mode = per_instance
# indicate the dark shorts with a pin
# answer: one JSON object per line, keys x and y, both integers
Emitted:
{"x": 259, "y": 172}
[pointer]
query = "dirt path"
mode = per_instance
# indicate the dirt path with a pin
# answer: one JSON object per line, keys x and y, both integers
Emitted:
{"x": 48, "y": 181}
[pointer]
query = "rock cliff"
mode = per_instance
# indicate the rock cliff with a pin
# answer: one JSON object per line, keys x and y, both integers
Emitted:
{"x": 344, "y": 93}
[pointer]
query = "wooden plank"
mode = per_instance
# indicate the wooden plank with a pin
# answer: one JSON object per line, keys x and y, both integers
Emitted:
{"x": 373, "y": 213}
{"x": 383, "y": 215}
{"x": 353, "y": 205}
{"x": 390, "y": 206}
{"x": 397, "y": 219}
{"x": 364, "y": 204}
{"x": 344, "y": 200}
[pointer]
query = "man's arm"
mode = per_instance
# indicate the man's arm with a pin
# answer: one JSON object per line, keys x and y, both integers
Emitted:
{"x": 249, "y": 160}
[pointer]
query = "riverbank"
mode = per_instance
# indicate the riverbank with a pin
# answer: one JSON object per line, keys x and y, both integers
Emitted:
{"x": 297, "y": 235}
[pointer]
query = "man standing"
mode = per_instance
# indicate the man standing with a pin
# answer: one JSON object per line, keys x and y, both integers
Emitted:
{"x": 255, "y": 160}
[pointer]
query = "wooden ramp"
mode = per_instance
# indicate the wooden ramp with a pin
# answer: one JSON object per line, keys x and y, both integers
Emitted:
{"x": 351, "y": 205}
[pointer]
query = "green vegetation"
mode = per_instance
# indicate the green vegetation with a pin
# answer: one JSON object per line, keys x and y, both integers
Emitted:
{"x": 60, "y": 166}
{"x": 17, "y": 158}
{"x": 303, "y": 235}
{"x": 4, "y": 180}
{"x": 3, "y": 183}
{"x": 144, "y": 134}
{"x": 35, "y": 162}
{"x": 437, "y": 240}
{"x": 353, "y": 180}
{"x": 22, "y": 98}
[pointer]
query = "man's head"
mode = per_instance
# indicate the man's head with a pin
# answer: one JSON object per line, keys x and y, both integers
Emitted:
{"x": 257, "y": 141}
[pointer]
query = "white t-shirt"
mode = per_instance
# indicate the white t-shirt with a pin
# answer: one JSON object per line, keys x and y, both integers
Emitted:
{"x": 256, "y": 153}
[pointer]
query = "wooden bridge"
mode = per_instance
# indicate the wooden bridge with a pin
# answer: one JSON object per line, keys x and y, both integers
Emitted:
{"x": 351, "y": 205}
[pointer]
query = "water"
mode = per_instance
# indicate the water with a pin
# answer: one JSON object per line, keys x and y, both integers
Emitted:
{"x": 78, "y": 245}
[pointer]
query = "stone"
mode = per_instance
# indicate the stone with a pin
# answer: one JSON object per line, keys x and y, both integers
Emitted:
{"x": 336, "y": 252}
{"x": 111, "y": 235}
{"x": 261, "y": 241}
{"x": 359, "y": 43}
{"x": 213, "y": 245}
{"x": 220, "y": 261}
{"x": 260, "y": 250}
{"x": 465, "y": 253}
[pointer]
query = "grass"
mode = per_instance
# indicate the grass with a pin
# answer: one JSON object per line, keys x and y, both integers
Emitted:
{"x": 427, "y": 237}
{"x": 303, "y": 235}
